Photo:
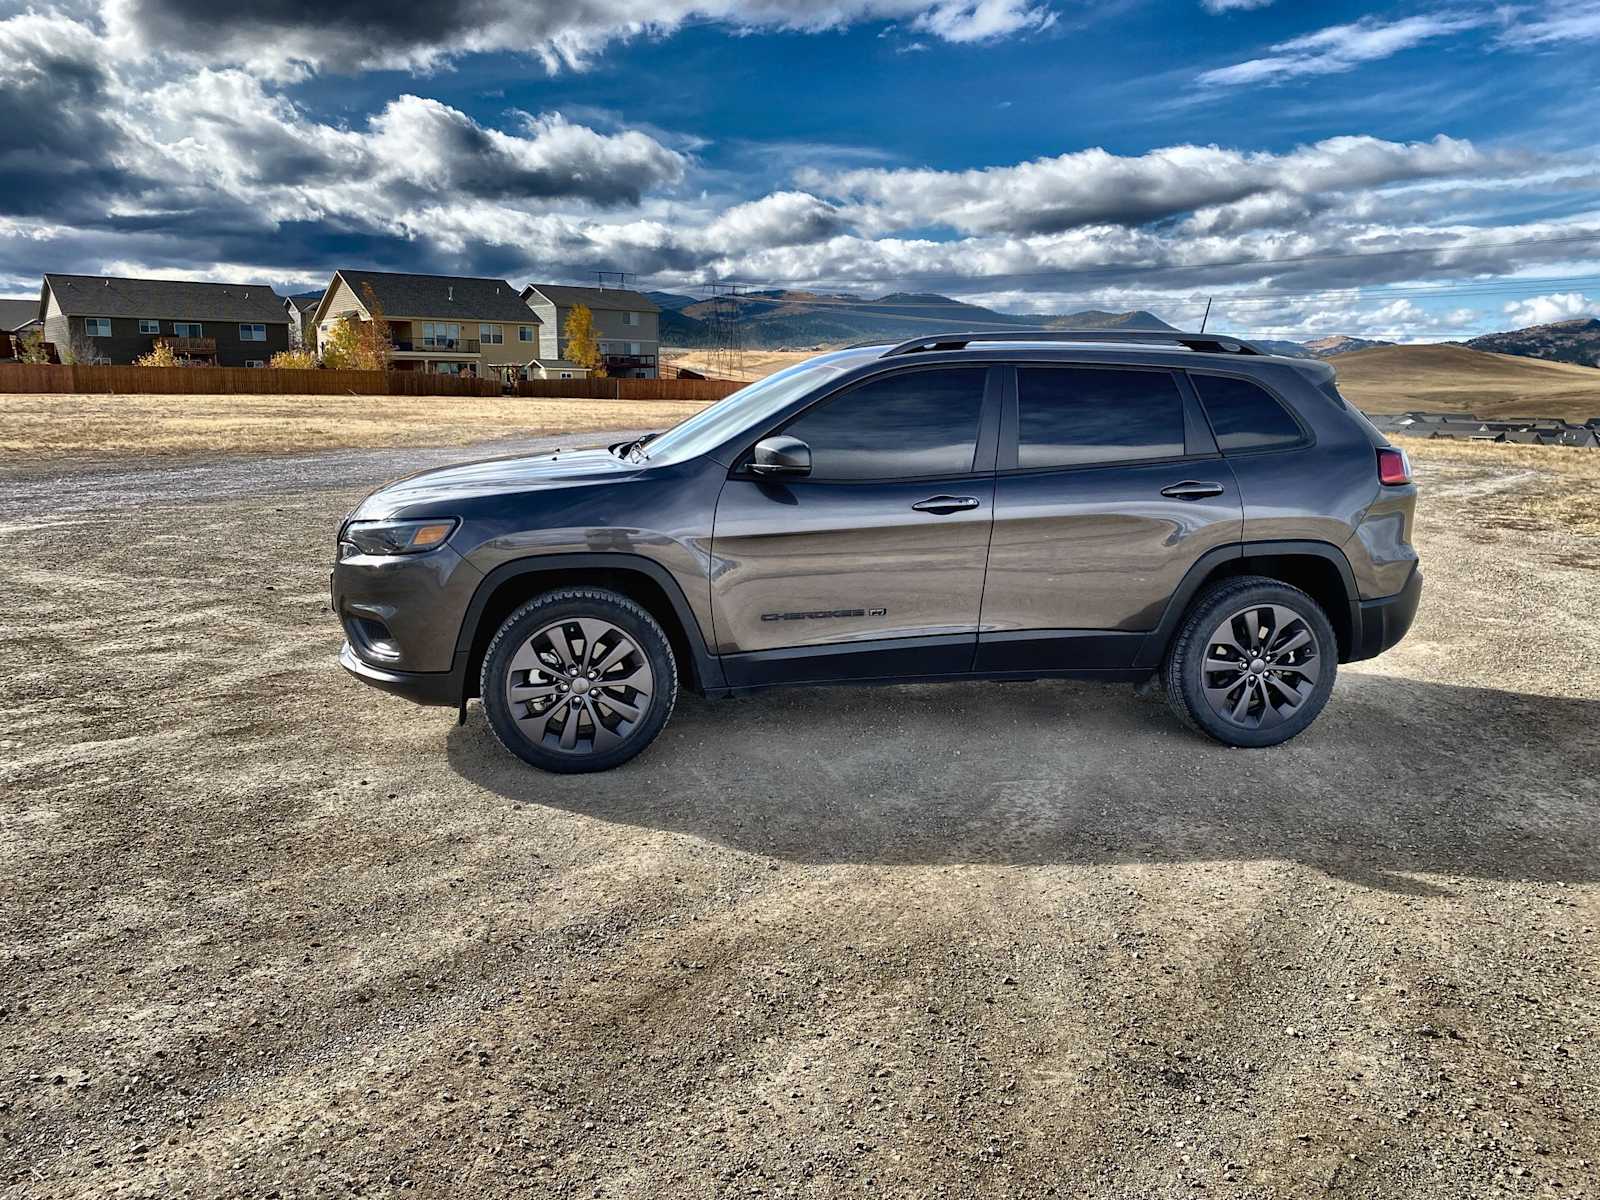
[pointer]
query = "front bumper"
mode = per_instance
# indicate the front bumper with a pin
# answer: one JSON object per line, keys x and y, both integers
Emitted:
{"x": 1386, "y": 620}
{"x": 420, "y": 687}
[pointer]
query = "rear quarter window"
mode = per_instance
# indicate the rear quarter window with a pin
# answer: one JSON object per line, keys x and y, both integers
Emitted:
{"x": 1245, "y": 416}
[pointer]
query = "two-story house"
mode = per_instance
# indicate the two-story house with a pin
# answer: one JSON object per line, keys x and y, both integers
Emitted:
{"x": 451, "y": 324}
{"x": 626, "y": 324}
{"x": 118, "y": 320}
{"x": 301, "y": 310}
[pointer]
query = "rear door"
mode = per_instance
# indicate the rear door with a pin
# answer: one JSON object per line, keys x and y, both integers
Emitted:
{"x": 1109, "y": 488}
{"x": 872, "y": 566}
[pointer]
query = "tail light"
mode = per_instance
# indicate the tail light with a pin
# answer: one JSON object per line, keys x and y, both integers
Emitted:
{"x": 1394, "y": 467}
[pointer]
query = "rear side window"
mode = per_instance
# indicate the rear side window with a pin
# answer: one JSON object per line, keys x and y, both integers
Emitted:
{"x": 900, "y": 427}
{"x": 1245, "y": 416}
{"x": 1068, "y": 417}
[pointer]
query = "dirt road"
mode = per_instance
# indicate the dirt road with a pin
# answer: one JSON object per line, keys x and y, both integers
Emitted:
{"x": 269, "y": 933}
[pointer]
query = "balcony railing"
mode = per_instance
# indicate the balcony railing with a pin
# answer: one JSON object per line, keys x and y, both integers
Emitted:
{"x": 437, "y": 346}
{"x": 189, "y": 345}
{"x": 629, "y": 361}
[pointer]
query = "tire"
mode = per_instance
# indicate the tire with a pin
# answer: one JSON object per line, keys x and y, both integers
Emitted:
{"x": 578, "y": 680}
{"x": 1253, "y": 662}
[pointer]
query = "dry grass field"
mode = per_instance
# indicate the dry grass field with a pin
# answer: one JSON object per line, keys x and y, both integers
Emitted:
{"x": 1456, "y": 379}
{"x": 45, "y": 428}
{"x": 753, "y": 364}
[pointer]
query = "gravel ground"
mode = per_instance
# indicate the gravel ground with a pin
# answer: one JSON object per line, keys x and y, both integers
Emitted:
{"x": 269, "y": 933}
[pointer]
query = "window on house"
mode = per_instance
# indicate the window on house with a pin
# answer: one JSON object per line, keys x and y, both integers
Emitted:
{"x": 633, "y": 348}
{"x": 440, "y": 335}
{"x": 146, "y": 325}
{"x": 524, "y": 333}
{"x": 97, "y": 326}
{"x": 631, "y": 318}
{"x": 252, "y": 333}
{"x": 491, "y": 335}
{"x": 186, "y": 329}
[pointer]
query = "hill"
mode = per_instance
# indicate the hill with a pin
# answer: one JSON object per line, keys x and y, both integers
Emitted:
{"x": 1565, "y": 341}
{"x": 1340, "y": 343}
{"x": 1459, "y": 379}
{"x": 774, "y": 319}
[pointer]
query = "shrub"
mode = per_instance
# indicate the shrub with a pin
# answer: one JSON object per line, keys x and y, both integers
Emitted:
{"x": 293, "y": 360}
{"x": 160, "y": 355}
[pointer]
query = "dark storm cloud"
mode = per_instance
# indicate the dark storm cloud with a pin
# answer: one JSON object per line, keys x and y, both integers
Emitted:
{"x": 57, "y": 141}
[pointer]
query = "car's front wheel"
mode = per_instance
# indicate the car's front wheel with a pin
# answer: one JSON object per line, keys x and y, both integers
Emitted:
{"x": 580, "y": 679}
{"x": 1253, "y": 662}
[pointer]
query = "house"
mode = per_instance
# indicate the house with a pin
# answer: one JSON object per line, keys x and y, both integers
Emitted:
{"x": 18, "y": 317}
{"x": 553, "y": 368}
{"x": 118, "y": 320}
{"x": 626, "y": 324}
{"x": 455, "y": 325}
{"x": 302, "y": 308}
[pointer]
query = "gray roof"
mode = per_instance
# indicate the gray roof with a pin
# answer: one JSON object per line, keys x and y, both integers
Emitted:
{"x": 461, "y": 297}
{"x": 557, "y": 364}
{"x": 620, "y": 299}
{"x": 306, "y": 301}
{"x": 99, "y": 296}
{"x": 14, "y": 314}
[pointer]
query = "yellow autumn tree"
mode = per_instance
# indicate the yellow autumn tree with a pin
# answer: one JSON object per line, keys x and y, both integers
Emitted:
{"x": 356, "y": 345}
{"x": 583, "y": 347}
{"x": 31, "y": 347}
{"x": 160, "y": 355}
{"x": 293, "y": 360}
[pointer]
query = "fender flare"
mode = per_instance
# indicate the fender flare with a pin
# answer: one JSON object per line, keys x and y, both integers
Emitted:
{"x": 707, "y": 667}
{"x": 1156, "y": 642}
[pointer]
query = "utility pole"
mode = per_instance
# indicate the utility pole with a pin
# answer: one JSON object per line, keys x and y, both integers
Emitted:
{"x": 727, "y": 331}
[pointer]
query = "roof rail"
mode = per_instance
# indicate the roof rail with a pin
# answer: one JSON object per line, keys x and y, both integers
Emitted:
{"x": 1203, "y": 343}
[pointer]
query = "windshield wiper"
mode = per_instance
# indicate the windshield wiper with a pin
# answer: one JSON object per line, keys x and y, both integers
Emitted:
{"x": 632, "y": 451}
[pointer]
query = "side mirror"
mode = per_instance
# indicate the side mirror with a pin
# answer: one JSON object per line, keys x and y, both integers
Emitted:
{"x": 781, "y": 455}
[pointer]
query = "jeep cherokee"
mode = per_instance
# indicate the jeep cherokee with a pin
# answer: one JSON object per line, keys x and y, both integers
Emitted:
{"x": 1113, "y": 506}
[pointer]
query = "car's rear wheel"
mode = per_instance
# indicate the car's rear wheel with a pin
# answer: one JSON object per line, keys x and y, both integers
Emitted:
{"x": 578, "y": 680}
{"x": 1253, "y": 662}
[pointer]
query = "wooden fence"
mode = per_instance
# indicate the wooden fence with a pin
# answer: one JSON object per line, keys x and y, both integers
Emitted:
{"x": 228, "y": 381}
{"x": 701, "y": 391}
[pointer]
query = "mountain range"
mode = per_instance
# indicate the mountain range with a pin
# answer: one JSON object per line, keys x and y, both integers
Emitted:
{"x": 775, "y": 319}
{"x": 1565, "y": 341}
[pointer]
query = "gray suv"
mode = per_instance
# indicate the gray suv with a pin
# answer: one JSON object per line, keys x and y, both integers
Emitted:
{"x": 1026, "y": 505}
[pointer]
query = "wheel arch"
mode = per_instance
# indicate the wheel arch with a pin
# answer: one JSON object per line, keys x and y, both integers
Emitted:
{"x": 645, "y": 582}
{"x": 1320, "y": 569}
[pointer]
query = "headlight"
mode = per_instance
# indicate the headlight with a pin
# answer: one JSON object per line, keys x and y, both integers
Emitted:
{"x": 397, "y": 537}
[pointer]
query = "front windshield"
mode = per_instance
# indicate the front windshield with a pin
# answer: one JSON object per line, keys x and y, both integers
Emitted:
{"x": 712, "y": 426}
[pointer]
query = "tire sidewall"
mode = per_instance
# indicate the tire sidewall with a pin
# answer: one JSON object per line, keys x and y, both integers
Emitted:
{"x": 1189, "y": 658}
{"x": 564, "y": 605}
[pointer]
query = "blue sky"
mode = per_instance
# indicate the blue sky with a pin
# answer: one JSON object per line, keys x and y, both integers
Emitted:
{"x": 1415, "y": 171}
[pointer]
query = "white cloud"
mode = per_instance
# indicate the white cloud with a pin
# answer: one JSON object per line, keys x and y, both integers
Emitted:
{"x": 288, "y": 37}
{"x": 1555, "y": 21}
{"x": 1222, "y": 6}
{"x": 1093, "y": 186}
{"x": 1547, "y": 310}
{"x": 1340, "y": 48}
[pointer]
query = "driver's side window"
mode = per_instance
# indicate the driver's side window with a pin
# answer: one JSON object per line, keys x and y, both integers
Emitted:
{"x": 903, "y": 426}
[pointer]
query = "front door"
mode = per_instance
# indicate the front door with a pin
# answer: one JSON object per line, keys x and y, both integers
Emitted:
{"x": 1110, "y": 488}
{"x": 872, "y": 566}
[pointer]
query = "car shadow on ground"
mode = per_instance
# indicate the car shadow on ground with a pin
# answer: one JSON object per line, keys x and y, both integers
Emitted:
{"x": 1397, "y": 778}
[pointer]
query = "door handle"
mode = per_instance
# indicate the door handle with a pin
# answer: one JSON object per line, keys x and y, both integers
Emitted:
{"x": 946, "y": 504}
{"x": 1191, "y": 490}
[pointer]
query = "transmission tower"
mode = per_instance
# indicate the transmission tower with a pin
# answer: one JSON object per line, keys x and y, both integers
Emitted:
{"x": 726, "y": 321}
